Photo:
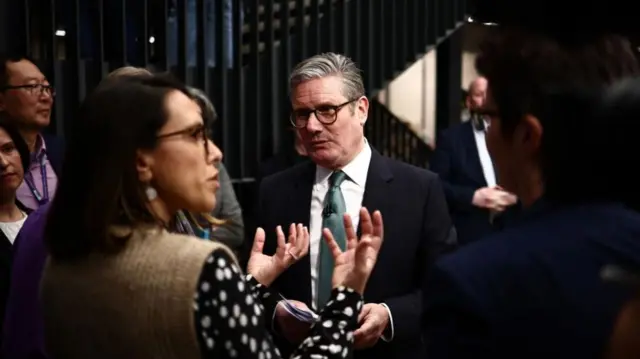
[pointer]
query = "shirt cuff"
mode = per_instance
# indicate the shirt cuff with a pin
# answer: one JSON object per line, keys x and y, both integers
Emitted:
{"x": 387, "y": 334}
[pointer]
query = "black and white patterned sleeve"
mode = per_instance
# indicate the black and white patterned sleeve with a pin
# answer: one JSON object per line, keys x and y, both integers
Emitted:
{"x": 229, "y": 317}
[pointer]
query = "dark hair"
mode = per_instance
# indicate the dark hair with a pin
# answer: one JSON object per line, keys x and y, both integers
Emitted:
{"x": 613, "y": 136}
{"x": 21, "y": 145}
{"x": 558, "y": 80}
{"x": 522, "y": 67}
{"x": 99, "y": 184}
{"x": 6, "y": 58}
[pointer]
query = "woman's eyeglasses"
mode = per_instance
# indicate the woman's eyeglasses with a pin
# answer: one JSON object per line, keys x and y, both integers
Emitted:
{"x": 199, "y": 133}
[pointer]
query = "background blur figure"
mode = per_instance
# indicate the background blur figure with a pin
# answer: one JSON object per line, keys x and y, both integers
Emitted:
{"x": 230, "y": 227}
{"x": 534, "y": 289}
{"x": 26, "y": 97}
{"x": 462, "y": 161}
{"x": 14, "y": 158}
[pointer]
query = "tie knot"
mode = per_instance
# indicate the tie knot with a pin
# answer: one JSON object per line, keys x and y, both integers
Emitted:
{"x": 337, "y": 178}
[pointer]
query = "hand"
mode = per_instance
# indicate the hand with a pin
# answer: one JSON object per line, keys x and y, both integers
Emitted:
{"x": 373, "y": 320}
{"x": 265, "y": 269}
{"x": 353, "y": 267}
{"x": 493, "y": 198}
{"x": 289, "y": 327}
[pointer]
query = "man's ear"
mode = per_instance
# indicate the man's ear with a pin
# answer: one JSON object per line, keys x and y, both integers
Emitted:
{"x": 363, "y": 109}
{"x": 529, "y": 134}
{"x": 144, "y": 165}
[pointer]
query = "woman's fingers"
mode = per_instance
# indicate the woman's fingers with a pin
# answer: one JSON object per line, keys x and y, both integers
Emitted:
{"x": 258, "y": 241}
{"x": 302, "y": 243}
{"x": 378, "y": 229}
{"x": 366, "y": 227}
{"x": 280, "y": 237}
{"x": 331, "y": 243}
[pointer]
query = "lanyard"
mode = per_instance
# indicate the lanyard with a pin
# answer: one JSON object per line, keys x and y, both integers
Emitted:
{"x": 41, "y": 198}
{"x": 184, "y": 226}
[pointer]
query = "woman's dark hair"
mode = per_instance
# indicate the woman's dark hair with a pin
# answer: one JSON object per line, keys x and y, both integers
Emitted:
{"x": 21, "y": 146}
{"x": 559, "y": 80}
{"x": 99, "y": 184}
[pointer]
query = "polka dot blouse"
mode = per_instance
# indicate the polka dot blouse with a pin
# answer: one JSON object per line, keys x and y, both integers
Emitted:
{"x": 230, "y": 317}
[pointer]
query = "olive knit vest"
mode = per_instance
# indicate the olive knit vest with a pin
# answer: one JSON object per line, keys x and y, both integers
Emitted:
{"x": 137, "y": 303}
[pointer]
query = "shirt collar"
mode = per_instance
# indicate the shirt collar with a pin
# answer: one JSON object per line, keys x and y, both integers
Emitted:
{"x": 41, "y": 149}
{"x": 356, "y": 170}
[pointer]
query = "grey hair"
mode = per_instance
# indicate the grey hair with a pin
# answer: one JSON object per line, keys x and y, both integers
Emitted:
{"x": 129, "y": 71}
{"x": 208, "y": 111}
{"x": 330, "y": 64}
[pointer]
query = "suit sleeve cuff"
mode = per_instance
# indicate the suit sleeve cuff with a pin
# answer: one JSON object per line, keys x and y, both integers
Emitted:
{"x": 387, "y": 334}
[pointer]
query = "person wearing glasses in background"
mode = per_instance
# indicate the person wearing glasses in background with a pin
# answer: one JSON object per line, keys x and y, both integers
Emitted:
{"x": 26, "y": 98}
{"x": 329, "y": 112}
{"x": 225, "y": 224}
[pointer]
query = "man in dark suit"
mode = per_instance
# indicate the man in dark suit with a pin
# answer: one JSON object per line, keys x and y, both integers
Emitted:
{"x": 329, "y": 109}
{"x": 463, "y": 163}
{"x": 26, "y": 98}
{"x": 534, "y": 290}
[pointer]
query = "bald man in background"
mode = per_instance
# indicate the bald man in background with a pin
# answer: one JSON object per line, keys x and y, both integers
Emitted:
{"x": 462, "y": 161}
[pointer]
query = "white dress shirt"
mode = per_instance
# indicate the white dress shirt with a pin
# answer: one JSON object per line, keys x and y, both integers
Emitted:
{"x": 483, "y": 153}
{"x": 353, "y": 192}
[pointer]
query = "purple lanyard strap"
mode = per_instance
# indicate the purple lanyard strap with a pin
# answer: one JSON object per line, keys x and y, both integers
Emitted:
{"x": 42, "y": 198}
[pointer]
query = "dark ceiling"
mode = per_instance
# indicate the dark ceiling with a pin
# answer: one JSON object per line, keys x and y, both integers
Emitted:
{"x": 562, "y": 16}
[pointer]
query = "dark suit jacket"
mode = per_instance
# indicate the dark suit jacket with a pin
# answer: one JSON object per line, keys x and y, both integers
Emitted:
{"x": 55, "y": 151}
{"x": 534, "y": 290}
{"x": 417, "y": 230}
{"x": 457, "y": 162}
{"x": 6, "y": 259}
{"x": 280, "y": 162}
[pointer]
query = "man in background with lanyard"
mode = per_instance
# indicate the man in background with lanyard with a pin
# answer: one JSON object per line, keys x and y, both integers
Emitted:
{"x": 26, "y": 98}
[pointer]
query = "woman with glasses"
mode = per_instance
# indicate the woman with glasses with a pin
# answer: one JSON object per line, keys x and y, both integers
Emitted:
{"x": 225, "y": 223}
{"x": 118, "y": 284}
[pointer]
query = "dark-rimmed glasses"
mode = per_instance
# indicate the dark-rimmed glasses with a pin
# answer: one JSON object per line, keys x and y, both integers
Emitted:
{"x": 326, "y": 114}
{"x": 198, "y": 133}
{"x": 34, "y": 89}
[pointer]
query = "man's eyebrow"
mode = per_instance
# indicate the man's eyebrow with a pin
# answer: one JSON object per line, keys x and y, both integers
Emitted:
{"x": 43, "y": 79}
{"x": 322, "y": 104}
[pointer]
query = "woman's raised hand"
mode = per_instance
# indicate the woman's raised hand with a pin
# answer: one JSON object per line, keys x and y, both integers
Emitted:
{"x": 353, "y": 266}
{"x": 265, "y": 269}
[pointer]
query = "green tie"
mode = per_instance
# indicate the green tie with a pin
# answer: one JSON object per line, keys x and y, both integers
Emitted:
{"x": 332, "y": 218}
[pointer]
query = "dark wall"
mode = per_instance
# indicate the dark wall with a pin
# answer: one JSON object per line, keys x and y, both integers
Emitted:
{"x": 3, "y": 25}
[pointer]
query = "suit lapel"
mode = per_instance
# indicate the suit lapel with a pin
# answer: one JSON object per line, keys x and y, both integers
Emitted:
{"x": 300, "y": 194}
{"x": 300, "y": 208}
{"x": 376, "y": 190}
{"x": 475, "y": 167}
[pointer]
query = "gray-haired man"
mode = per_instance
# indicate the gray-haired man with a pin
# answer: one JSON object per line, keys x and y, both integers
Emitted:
{"x": 329, "y": 112}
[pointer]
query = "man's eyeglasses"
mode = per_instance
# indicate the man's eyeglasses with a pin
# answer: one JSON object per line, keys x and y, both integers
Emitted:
{"x": 34, "y": 89}
{"x": 199, "y": 133}
{"x": 326, "y": 114}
